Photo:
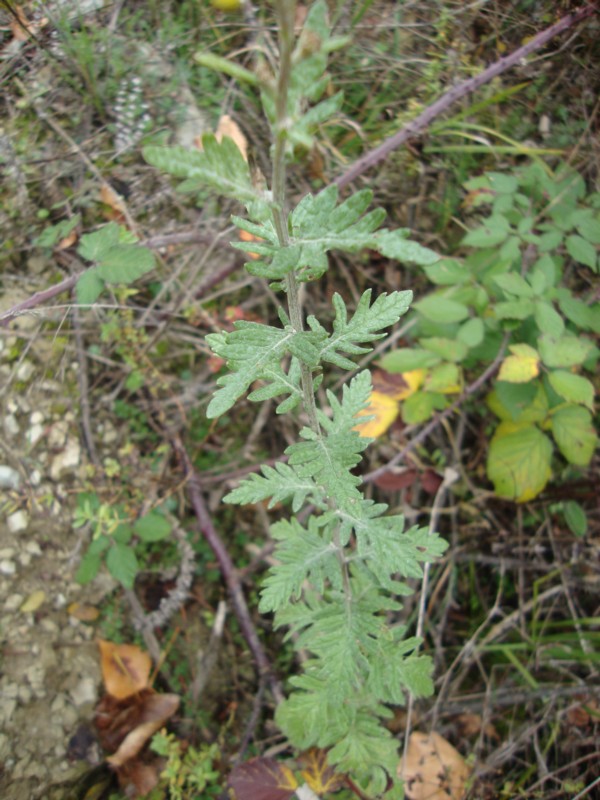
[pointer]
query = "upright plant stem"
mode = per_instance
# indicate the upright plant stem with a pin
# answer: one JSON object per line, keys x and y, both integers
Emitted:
{"x": 286, "y": 12}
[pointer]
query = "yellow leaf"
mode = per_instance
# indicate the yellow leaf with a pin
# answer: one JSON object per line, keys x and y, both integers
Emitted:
{"x": 434, "y": 770}
{"x": 384, "y": 410}
{"x": 34, "y": 601}
{"x": 229, "y": 6}
{"x": 521, "y": 366}
{"x": 398, "y": 385}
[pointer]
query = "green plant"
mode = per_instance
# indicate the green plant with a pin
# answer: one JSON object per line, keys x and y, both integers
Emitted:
{"x": 116, "y": 539}
{"x": 189, "y": 773}
{"x": 336, "y": 582}
{"x": 524, "y": 283}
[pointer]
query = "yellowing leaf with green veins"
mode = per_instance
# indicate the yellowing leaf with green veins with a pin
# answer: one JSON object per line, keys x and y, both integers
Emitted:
{"x": 521, "y": 366}
{"x": 574, "y": 433}
{"x": 384, "y": 410}
{"x": 518, "y": 461}
{"x": 445, "y": 379}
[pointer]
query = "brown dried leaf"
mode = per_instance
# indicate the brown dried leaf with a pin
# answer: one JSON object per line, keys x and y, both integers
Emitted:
{"x": 125, "y": 668}
{"x": 114, "y": 201}
{"x": 228, "y": 127}
{"x": 318, "y": 774}
{"x": 262, "y": 779}
{"x": 156, "y": 710}
{"x": 434, "y": 770}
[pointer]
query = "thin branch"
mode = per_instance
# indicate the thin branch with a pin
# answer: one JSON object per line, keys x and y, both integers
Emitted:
{"x": 228, "y": 570}
{"x": 424, "y": 119}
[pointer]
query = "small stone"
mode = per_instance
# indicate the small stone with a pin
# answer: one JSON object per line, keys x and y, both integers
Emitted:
{"x": 7, "y": 552}
{"x": 67, "y": 459}
{"x": 34, "y": 434}
{"x": 25, "y": 371}
{"x": 9, "y": 477}
{"x": 17, "y": 522}
{"x": 36, "y": 418}
{"x": 33, "y": 548}
{"x": 24, "y": 559}
{"x": 13, "y": 602}
{"x": 35, "y": 478}
{"x": 11, "y": 426}
{"x": 25, "y": 694}
{"x": 7, "y": 567}
{"x": 84, "y": 692}
{"x": 58, "y": 435}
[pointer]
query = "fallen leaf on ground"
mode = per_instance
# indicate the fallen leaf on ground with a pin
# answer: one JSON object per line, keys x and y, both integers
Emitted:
{"x": 83, "y": 612}
{"x": 34, "y": 601}
{"x": 434, "y": 769}
{"x": 155, "y": 711}
{"x": 262, "y": 779}
{"x": 125, "y": 668}
{"x": 317, "y": 773}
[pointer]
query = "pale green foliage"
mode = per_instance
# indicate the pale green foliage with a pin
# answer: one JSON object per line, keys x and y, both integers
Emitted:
{"x": 339, "y": 571}
{"x": 318, "y": 225}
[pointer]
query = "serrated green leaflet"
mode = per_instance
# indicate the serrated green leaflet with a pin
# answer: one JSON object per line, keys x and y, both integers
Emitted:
{"x": 219, "y": 166}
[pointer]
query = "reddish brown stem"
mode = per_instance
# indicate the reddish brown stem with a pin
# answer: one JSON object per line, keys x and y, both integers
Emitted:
{"x": 228, "y": 571}
{"x": 424, "y": 119}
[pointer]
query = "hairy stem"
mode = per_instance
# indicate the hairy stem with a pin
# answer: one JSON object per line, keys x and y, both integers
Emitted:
{"x": 285, "y": 13}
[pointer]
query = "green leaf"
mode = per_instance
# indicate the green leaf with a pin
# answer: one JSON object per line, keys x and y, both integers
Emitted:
{"x": 395, "y": 244}
{"x": 582, "y": 251}
{"x": 279, "y": 484}
{"x": 514, "y": 309}
{"x": 55, "y": 233}
{"x": 574, "y": 434}
{"x": 406, "y": 359}
{"x": 576, "y": 518}
{"x": 219, "y": 166}
{"x": 122, "y": 564}
{"x": 88, "y": 568}
{"x": 513, "y": 283}
{"x": 586, "y": 317}
{"x": 471, "y": 332}
{"x": 445, "y": 379}
{"x": 349, "y": 335}
{"x": 518, "y": 402}
{"x": 548, "y": 319}
{"x": 302, "y": 555}
{"x": 329, "y": 456}
{"x": 125, "y": 263}
{"x": 448, "y": 349}
{"x": 574, "y": 388}
{"x": 419, "y": 407}
{"x": 447, "y": 272}
{"x": 518, "y": 461}
{"x": 565, "y": 351}
{"x": 588, "y": 225}
{"x": 440, "y": 309}
{"x": 94, "y": 245}
{"x": 250, "y": 350}
{"x": 492, "y": 232}
{"x": 89, "y": 287}
{"x": 521, "y": 366}
{"x": 152, "y": 527}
